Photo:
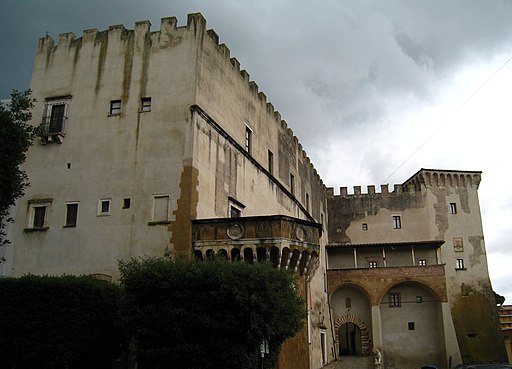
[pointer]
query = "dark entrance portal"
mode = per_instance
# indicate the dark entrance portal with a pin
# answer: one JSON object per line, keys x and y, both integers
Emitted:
{"x": 350, "y": 340}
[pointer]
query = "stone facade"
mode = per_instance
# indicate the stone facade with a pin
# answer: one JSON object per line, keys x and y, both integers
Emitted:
{"x": 155, "y": 142}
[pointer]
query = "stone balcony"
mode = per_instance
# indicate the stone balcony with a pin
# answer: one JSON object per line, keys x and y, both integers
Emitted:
{"x": 288, "y": 243}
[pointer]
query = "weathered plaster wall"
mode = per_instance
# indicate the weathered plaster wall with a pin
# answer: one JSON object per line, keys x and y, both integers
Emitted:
{"x": 131, "y": 155}
{"x": 424, "y": 203}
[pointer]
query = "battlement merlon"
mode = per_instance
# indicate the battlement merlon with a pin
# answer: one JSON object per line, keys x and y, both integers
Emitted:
{"x": 422, "y": 178}
{"x": 442, "y": 178}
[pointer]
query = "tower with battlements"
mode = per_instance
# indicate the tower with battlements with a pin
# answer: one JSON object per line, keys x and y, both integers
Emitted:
{"x": 414, "y": 261}
{"x": 150, "y": 140}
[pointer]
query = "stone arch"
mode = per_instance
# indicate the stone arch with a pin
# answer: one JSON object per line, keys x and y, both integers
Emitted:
{"x": 365, "y": 334}
{"x": 274, "y": 257}
{"x": 248, "y": 255}
{"x": 438, "y": 294}
{"x": 261, "y": 254}
{"x": 235, "y": 254}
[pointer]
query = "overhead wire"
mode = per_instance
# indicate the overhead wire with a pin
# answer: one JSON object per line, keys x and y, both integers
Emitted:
{"x": 461, "y": 106}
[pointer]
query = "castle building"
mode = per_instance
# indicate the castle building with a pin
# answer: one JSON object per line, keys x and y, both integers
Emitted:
{"x": 155, "y": 142}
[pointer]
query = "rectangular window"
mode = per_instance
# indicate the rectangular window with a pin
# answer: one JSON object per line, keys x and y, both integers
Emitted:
{"x": 38, "y": 215}
{"x": 55, "y": 116}
{"x": 307, "y": 202}
{"x": 270, "y": 162}
{"x": 56, "y": 119}
{"x": 248, "y": 139}
{"x": 115, "y": 107}
{"x": 453, "y": 208}
{"x": 410, "y": 325}
{"x": 127, "y": 202}
{"x": 292, "y": 184}
{"x": 372, "y": 264}
{"x": 71, "y": 214}
{"x": 422, "y": 262}
{"x": 394, "y": 299}
{"x": 459, "y": 264}
{"x": 104, "y": 207}
{"x": 365, "y": 226}
{"x": 161, "y": 208}
{"x": 397, "y": 222}
{"x": 145, "y": 104}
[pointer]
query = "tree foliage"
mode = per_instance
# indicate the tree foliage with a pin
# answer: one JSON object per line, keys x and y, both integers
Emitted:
{"x": 16, "y": 136}
{"x": 500, "y": 300}
{"x": 58, "y": 322}
{"x": 208, "y": 314}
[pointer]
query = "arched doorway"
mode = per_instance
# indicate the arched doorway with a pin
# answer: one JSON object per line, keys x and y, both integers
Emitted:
{"x": 352, "y": 336}
{"x": 349, "y": 340}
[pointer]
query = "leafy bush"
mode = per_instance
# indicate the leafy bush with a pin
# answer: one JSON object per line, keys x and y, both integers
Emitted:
{"x": 191, "y": 314}
{"x": 58, "y": 322}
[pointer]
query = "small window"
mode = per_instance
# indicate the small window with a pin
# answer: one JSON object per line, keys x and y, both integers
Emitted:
{"x": 161, "y": 208}
{"x": 71, "y": 214}
{"x": 419, "y": 299}
{"x": 348, "y": 303}
{"x": 292, "y": 184}
{"x": 397, "y": 222}
{"x": 248, "y": 139}
{"x": 410, "y": 325}
{"x": 422, "y": 262}
{"x": 372, "y": 264}
{"x": 459, "y": 264}
{"x": 365, "y": 226}
{"x": 234, "y": 212}
{"x": 127, "y": 202}
{"x": 307, "y": 202}
{"x": 453, "y": 208}
{"x": 104, "y": 207}
{"x": 270, "y": 162}
{"x": 394, "y": 299}
{"x": 115, "y": 107}
{"x": 38, "y": 215}
{"x": 145, "y": 104}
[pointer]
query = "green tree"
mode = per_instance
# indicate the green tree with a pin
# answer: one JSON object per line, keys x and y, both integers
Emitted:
{"x": 64, "y": 322}
{"x": 16, "y": 136}
{"x": 215, "y": 314}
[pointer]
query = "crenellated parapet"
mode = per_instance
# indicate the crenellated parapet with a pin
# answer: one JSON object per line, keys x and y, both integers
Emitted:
{"x": 370, "y": 191}
{"x": 442, "y": 178}
{"x": 417, "y": 183}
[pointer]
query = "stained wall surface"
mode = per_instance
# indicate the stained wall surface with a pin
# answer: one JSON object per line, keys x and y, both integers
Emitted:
{"x": 154, "y": 136}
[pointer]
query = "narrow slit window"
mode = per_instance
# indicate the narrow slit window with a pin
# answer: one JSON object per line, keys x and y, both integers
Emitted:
{"x": 453, "y": 208}
{"x": 397, "y": 222}
{"x": 248, "y": 139}
{"x": 270, "y": 162}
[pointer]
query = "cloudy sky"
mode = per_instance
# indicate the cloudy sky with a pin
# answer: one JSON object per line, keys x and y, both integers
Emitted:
{"x": 375, "y": 90}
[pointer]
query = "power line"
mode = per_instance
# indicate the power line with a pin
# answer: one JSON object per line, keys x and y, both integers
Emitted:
{"x": 445, "y": 122}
